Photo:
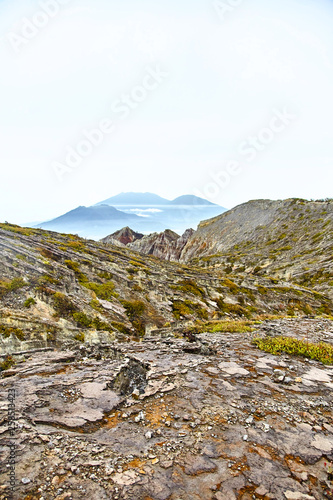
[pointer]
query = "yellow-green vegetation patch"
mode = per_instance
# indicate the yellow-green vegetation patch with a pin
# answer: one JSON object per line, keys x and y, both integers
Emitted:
{"x": 226, "y": 326}
{"x": 29, "y": 302}
{"x": 135, "y": 311}
{"x": 95, "y": 304}
{"x": 104, "y": 291}
{"x": 85, "y": 321}
{"x": 46, "y": 278}
{"x": 190, "y": 286}
{"x": 7, "y": 331}
{"x": 18, "y": 229}
{"x": 139, "y": 264}
{"x": 121, "y": 327}
{"x": 48, "y": 254}
{"x": 80, "y": 337}
{"x": 10, "y": 286}
{"x": 188, "y": 308}
{"x": 231, "y": 285}
{"x": 7, "y": 363}
{"x": 63, "y": 306}
{"x": 235, "y": 309}
{"x": 277, "y": 345}
{"x": 75, "y": 266}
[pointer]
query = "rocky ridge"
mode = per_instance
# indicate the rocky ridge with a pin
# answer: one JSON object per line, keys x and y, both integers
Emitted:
{"x": 57, "y": 287}
{"x": 286, "y": 239}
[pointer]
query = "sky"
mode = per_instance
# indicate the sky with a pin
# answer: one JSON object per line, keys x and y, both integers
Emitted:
{"x": 230, "y": 100}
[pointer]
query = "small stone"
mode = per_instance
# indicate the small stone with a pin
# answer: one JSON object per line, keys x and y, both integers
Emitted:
{"x": 136, "y": 394}
{"x": 297, "y": 495}
{"x": 245, "y": 437}
{"x": 139, "y": 417}
{"x": 25, "y": 480}
{"x": 261, "y": 490}
{"x": 149, "y": 435}
{"x": 167, "y": 464}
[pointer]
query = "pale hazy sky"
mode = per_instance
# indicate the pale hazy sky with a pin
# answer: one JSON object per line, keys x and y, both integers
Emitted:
{"x": 210, "y": 84}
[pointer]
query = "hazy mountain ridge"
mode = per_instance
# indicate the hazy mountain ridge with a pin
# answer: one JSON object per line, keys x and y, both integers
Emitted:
{"x": 144, "y": 212}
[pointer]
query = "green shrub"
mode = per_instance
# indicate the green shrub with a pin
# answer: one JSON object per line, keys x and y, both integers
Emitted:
{"x": 63, "y": 305}
{"x": 101, "y": 325}
{"x": 46, "y": 278}
{"x": 7, "y": 331}
{"x": 188, "y": 308}
{"x": 7, "y": 363}
{"x": 121, "y": 327}
{"x": 289, "y": 345}
{"x": 10, "y": 286}
{"x": 105, "y": 275}
{"x": 236, "y": 309}
{"x": 96, "y": 305}
{"x": 135, "y": 310}
{"x": 29, "y": 302}
{"x": 82, "y": 319}
{"x": 80, "y": 337}
{"x": 231, "y": 285}
{"x": 190, "y": 286}
{"x": 74, "y": 266}
{"x": 104, "y": 291}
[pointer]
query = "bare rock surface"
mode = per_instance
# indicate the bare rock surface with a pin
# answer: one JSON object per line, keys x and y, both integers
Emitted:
{"x": 157, "y": 420}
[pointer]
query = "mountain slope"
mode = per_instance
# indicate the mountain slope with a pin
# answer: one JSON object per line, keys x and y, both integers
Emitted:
{"x": 290, "y": 239}
{"x": 55, "y": 288}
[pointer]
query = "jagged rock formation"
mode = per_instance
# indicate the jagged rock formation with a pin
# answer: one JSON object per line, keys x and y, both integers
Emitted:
{"x": 166, "y": 419}
{"x": 167, "y": 245}
{"x": 124, "y": 236}
{"x": 290, "y": 239}
{"x": 57, "y": 287}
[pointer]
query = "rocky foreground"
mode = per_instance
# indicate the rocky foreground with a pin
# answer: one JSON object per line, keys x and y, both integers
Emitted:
{"x": 169, "y": 419}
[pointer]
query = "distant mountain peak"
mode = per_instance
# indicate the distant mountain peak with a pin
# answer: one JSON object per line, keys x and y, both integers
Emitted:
{"x": 135, "y": 199}
{"x": 151, "y": 199}
{"x": 191, "y": 200}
